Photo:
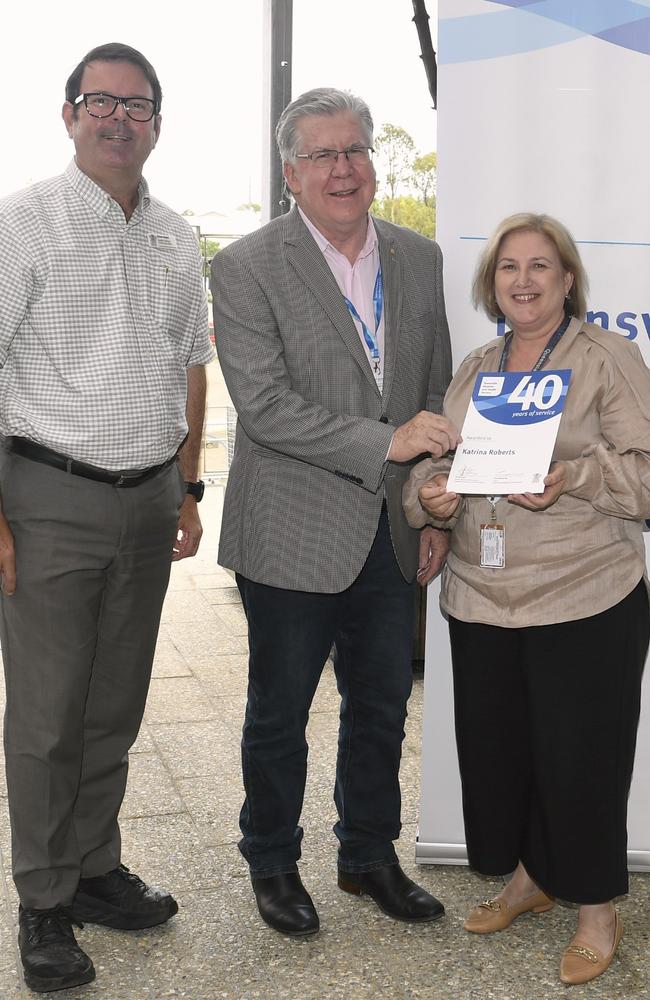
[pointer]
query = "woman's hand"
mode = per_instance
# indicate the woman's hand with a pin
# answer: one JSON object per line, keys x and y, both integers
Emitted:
{"x": 436, "y": 500}
{"x": 553, "y": 488}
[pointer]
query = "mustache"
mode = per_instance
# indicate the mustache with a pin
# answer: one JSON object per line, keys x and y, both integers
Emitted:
{"x": 116, "y": 130}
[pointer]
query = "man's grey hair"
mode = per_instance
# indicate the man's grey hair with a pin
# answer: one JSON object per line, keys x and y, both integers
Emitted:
{"x": 321, "y": 101}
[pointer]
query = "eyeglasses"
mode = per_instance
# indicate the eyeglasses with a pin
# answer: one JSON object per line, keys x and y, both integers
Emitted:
{"x": 99, "y": 105}
{"x": 356, "y": 155}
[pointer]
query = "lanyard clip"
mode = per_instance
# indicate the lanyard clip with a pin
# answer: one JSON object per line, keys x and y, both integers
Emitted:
{"x": 493, "y": 501}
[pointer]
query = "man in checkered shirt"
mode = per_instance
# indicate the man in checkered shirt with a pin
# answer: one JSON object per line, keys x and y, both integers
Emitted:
{"x": 103, "y": 343}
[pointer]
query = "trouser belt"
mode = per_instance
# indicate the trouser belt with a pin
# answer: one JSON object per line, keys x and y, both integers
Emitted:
{"x": 39, "y": 453}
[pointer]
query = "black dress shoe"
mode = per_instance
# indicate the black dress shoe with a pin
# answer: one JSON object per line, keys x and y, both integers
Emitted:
{"x": 398, "y": 896}
{"x": 285, "y": 905}
{"x": 51, "y": 957}
{"x": 121, "y": 899}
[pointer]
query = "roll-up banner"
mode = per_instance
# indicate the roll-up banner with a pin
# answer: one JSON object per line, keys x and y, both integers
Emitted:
{"x": 543, "y": 107}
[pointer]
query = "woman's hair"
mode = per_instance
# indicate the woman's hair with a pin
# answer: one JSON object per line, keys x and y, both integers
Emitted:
{"x": 483, "y": 296}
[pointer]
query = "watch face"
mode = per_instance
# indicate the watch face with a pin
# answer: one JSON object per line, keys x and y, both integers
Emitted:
{"x": 195, "y": 489}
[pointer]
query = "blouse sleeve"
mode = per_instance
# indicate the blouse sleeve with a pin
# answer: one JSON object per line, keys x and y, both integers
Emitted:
{"x": 421, "y": 473}
{"x": 614, "y": 474}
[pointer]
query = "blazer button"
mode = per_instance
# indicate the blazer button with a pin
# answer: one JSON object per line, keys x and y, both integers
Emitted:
{"x": 383, "y": 419}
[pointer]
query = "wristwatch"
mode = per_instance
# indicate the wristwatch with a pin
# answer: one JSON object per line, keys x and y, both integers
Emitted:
{"x": 195, "y": 490}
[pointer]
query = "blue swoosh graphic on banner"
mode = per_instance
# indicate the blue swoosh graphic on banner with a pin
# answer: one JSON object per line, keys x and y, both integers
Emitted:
{"x": 528, "y": 25}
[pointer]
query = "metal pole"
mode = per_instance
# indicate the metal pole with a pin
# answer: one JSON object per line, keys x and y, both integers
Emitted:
{"x": 278, "y": 17}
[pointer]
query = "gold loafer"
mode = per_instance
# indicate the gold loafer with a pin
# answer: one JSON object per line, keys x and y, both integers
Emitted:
{"x": 495, "y": 914}
{"x": 581, "y": 964}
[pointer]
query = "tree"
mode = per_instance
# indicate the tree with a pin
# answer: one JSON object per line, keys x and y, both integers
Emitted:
{"x": 208, "y": 249}
{"x": 406, "y": 181}
{"x": 396, "y": 151}
{"x": 407, "y": 211}
{"x": 424, "y": 177}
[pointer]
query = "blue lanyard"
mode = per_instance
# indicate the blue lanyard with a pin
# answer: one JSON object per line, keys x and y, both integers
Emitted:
{"x": 543, "y": 358}
{"x": 378, "y": 304}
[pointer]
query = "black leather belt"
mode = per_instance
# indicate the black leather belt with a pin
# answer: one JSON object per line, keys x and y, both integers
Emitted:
{"x": 38, "y": 453}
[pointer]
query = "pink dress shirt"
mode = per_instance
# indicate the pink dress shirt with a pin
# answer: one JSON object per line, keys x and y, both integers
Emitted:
{"x": 357, "y": 283}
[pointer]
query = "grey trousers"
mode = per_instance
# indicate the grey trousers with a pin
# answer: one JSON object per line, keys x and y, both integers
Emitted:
{"x": 78, "y": 639}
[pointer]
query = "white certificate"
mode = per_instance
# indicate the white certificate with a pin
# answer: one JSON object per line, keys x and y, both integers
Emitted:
{"x": 509, "y": 432}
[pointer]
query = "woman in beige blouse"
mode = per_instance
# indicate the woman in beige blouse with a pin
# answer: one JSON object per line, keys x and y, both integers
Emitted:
{"x": 548, "y": 650}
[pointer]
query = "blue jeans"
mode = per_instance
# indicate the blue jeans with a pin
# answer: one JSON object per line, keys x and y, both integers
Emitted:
{"x": 291, "y": 634}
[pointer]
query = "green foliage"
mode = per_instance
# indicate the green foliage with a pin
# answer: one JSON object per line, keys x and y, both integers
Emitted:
{"x": 406, "y": 181}
{"x": 396, "y": 151}
{"x": 424, "y": 176}
{"x": 408, "y": 211}
{"x": 208, "y": 249}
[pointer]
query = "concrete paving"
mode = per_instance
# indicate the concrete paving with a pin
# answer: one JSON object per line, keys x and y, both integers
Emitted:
{"x": 179, "y": 827}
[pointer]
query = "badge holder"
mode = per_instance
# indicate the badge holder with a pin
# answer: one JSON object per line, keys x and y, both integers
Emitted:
{"x": 493, "y": 540}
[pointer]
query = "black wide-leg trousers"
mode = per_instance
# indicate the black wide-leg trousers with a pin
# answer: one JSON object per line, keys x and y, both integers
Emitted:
{"x": 546, "y": 723}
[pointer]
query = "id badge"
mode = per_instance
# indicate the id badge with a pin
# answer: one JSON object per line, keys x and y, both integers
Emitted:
{"x": 493, "y": 545}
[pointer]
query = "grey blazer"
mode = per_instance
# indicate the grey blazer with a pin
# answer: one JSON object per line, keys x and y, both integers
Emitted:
{"x": 309, "y": 473}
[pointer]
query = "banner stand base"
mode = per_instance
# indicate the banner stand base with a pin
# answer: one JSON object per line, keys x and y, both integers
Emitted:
{"x": 456, "y": 854}
{"x": 440, "y": 854}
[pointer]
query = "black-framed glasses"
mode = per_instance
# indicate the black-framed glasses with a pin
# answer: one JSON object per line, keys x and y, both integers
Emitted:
{"x": 356, "y": 154}
{"x": 101, "y": 105}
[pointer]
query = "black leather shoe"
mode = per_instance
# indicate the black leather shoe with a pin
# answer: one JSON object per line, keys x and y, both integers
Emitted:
{"x": 394, "y": 893}
{"x": 285, "y": 905}
{"x": 121, "y": 899}
{"x": 51, "y": 957}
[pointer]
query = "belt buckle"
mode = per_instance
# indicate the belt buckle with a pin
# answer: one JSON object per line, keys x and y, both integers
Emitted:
{"x": 120, "y": 482}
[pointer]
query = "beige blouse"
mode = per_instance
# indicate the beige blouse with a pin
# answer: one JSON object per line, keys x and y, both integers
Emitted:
{"x": 585, "y": 553}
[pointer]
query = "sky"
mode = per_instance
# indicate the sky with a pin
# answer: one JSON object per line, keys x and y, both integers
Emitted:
{"x": 209, "y": 57}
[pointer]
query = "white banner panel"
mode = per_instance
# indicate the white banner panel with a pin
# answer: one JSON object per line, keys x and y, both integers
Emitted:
{"x": 543, "y": 106}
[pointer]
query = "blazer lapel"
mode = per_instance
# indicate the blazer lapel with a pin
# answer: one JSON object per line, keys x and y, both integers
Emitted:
{"x": 391, "y": 272}
{"x": 309, "y": 263}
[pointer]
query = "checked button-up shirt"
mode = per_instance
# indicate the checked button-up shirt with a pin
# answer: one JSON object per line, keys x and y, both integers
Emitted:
{"x": 99, "y": 320}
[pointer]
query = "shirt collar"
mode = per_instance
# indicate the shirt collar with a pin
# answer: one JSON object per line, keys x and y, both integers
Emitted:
{"x": 99, "y": 200}
{"x": 324, "y": 244}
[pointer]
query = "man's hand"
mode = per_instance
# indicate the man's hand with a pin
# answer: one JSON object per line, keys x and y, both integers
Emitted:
{"x": 436, "y": 500}
{"x": 434, "y": 545}
{"x": 553, "y": 488}
{"x": 189, "y": 530}
{"x": 7, "y": 558}
{"x": 425, "y": 432}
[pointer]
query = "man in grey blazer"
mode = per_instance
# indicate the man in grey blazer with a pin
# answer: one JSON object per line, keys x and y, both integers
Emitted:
{"x": 333, "y": 340}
